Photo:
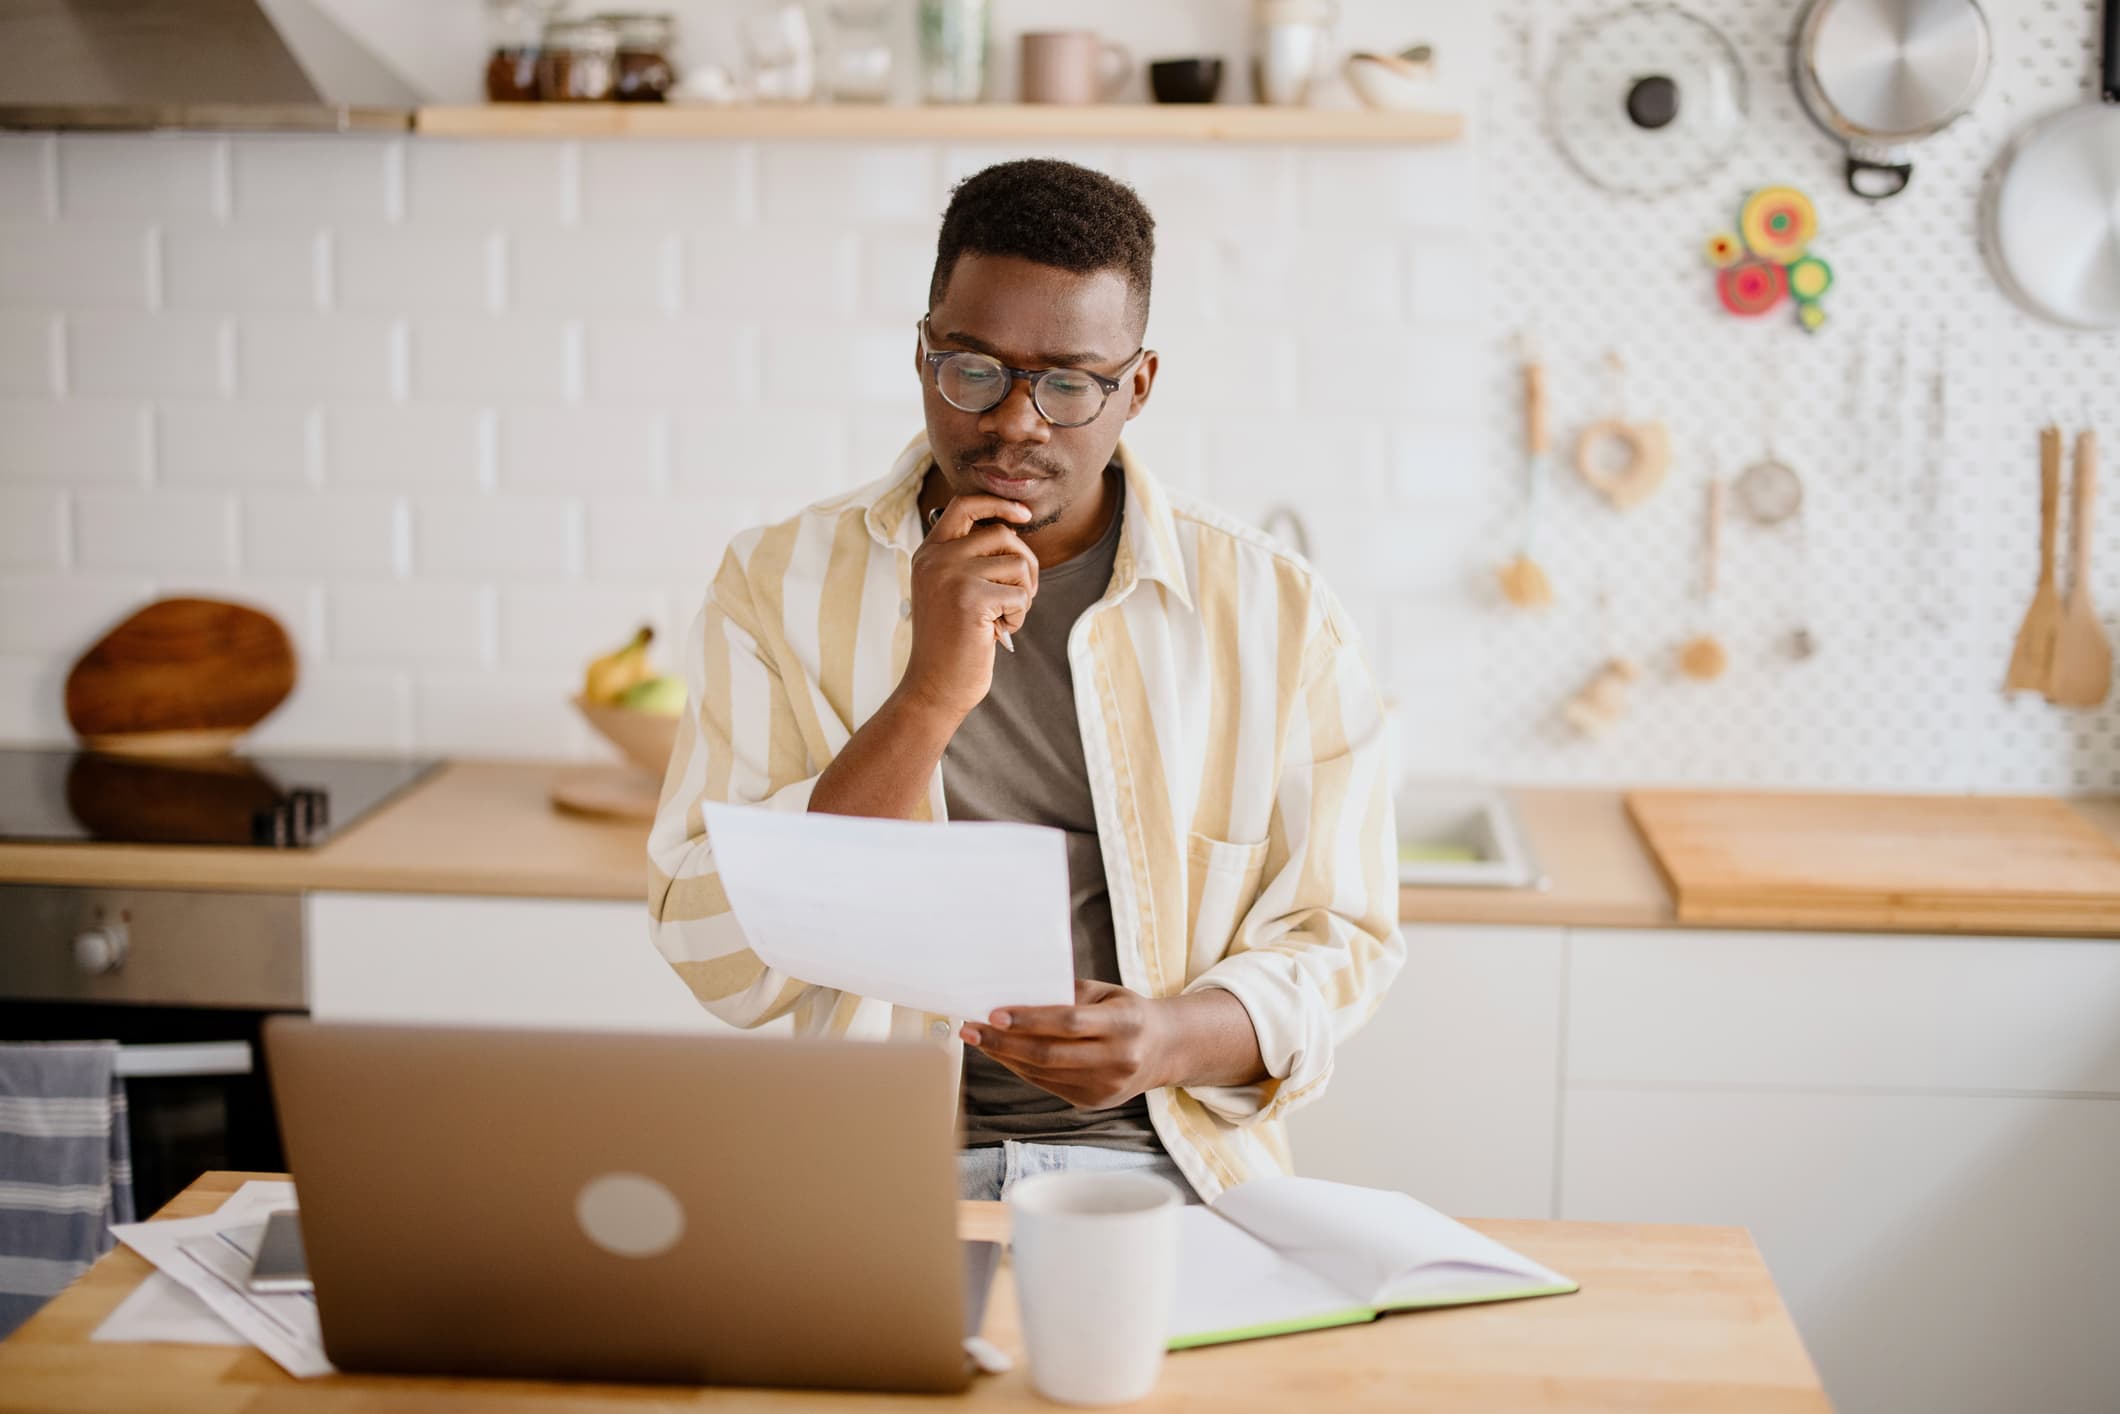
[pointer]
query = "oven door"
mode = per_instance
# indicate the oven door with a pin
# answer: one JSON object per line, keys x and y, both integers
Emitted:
{"x": 183, "y": 983}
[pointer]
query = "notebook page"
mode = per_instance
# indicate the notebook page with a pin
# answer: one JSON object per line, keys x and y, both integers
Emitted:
{"x": 1231, "y": 1286}
{"x": 1376, "y": 1245}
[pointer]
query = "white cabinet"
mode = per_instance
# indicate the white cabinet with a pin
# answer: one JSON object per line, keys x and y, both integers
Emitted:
{"x": 494, "y": 961}
{"x": 1922, "y": 1134}
{"x": 1449, "y": 1092}
{"x": 1938, "y": 1252}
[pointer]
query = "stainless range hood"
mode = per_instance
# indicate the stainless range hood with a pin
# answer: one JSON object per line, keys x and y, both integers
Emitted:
{"x": 227, "y": 65}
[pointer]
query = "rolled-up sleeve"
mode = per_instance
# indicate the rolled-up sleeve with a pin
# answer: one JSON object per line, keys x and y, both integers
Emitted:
{"x": 1313, "y": 956}
{"x": 738, "y": 742}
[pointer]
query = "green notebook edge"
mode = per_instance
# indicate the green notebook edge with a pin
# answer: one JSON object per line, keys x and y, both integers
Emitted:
{"x": 1325, "y": 1321}
{"x": 1359, "y": 1315}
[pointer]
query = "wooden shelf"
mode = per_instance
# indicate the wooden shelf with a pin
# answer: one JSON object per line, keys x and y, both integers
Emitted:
{"x": 986, "y": 122}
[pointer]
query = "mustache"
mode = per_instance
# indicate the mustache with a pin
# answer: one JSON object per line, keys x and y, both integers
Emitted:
{"x": 992, "y": 454}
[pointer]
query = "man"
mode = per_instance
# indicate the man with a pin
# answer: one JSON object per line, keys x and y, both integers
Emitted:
{"x": 1019, "y": 623}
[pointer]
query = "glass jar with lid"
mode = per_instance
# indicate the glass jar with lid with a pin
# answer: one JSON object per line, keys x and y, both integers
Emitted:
{"x": 644, "y": 71}
{"x": 579, "y": 63}
{"x": 515, "y": 30}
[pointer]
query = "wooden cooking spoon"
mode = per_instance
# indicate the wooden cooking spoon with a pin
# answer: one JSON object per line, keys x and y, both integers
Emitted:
{"x": 2083, "y": 660}
{"x": 2032, "y": 661}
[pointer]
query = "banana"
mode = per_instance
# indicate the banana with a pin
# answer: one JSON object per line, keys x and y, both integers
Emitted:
{"x": 607, "y": 678}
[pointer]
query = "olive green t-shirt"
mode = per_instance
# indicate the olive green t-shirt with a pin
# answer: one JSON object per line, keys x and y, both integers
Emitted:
{"x": 1018, "y": 756}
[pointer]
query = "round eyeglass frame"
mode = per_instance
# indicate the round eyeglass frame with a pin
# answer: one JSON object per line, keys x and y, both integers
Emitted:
{"x": 1034, "y": 376}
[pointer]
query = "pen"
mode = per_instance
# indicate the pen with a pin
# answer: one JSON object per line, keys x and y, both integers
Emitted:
{"x": 999, "y": 632}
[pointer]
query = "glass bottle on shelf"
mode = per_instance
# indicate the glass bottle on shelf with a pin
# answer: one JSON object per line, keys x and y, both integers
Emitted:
{"x": 515, "y": 29}
{"x": 858, "y": 68}
{"x": 644, "y": 71}
{"x": 953, "y": 42}
{"x": 579, "y": 63}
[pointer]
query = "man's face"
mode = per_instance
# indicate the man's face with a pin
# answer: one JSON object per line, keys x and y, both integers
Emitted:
{"x": 1035, "y": 317}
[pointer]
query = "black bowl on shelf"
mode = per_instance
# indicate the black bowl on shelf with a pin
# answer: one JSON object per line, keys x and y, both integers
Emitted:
{"x": 1185, "y": 80}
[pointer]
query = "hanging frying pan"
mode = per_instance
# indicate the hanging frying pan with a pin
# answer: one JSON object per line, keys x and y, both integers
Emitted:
{"x": 1881, "y": 75}
{"x": 2050, "y": 214}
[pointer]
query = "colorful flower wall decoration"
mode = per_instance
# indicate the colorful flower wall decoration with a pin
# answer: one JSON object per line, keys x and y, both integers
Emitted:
{"x": 1768, "y": 258}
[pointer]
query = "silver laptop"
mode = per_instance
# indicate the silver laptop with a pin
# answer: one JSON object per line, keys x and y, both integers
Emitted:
{"x": 591, "y": 1205}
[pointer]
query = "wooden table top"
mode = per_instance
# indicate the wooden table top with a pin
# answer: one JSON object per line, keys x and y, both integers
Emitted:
{"x": 1669, "y": 1318}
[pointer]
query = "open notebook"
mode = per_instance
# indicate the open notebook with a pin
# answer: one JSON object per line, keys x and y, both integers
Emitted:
{"x": 1297, "y": 1254}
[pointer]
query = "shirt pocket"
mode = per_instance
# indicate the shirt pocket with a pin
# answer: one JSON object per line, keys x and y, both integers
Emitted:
{"x": 1222, "y": 879}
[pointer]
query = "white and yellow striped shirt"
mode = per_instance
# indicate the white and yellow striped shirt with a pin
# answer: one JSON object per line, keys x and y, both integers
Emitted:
{"x": 1235, "y": 745}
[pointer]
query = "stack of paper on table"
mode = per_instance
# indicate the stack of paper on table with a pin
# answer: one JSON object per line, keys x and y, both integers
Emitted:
{"x": 207, "y": 1259}
{"x": 1279, "y": 1255}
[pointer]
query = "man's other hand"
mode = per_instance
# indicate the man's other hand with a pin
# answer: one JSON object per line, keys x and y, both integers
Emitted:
{"x": 1110, "y": 1046}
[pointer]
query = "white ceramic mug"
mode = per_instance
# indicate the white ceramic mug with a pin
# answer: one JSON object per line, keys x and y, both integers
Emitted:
{"x": 1096, "y": 1260}
{"x": 1073, "y": 67}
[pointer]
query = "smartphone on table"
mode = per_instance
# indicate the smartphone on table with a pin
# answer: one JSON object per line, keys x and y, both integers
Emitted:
{"x": 281, "y": 1265}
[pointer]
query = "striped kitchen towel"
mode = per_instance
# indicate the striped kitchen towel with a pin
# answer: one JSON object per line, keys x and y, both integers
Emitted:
{"x": 65, "y": 1167}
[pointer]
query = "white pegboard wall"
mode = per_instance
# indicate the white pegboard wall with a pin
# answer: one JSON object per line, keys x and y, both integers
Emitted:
{"x": 1912, "y": 567}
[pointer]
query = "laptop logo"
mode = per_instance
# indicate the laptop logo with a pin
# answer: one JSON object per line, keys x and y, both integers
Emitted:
{"x": 629, "y": 1215}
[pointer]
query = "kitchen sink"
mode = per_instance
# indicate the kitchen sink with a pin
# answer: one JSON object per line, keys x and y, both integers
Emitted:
{"x": 1463, "y": 836}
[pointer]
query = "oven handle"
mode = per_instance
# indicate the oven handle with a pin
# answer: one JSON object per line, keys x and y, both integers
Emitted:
{"x": 185, "y": 1059}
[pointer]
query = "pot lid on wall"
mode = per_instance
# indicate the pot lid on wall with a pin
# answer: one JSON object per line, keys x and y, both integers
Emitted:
{"x": 1645, "y": 100}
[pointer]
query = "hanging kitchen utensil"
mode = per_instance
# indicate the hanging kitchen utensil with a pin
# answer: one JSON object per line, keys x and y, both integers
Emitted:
{"x": 1624, "y": 459}
{"x": 1603, "y": 700}
{"x": 1646, "y": 99}
{"x": 2083, "y": 659}
{"x": 1703, "y": 657}
{"x": 1881, "y": 75}
{"x": 2050, "y": 212}
{"x": 2032, "y": 660}
{"x": 1524, "y": 582}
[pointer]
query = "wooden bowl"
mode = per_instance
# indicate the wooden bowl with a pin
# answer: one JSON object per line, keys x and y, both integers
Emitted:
{"x": 645, "y": 738}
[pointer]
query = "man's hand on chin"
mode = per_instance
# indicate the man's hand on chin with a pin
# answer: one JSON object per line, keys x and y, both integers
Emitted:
{"x": 1113, "y": 1044}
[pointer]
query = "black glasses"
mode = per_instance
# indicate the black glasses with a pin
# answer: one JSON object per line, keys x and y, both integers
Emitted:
{"x": 977, "y": 382}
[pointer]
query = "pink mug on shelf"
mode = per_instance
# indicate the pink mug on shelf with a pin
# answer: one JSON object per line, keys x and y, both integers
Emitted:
{"x": 1073, "y": 66}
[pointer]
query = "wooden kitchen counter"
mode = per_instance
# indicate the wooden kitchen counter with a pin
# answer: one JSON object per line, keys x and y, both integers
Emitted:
{"x": 1669, "y": 1317}
{"x": 489, "y": 828}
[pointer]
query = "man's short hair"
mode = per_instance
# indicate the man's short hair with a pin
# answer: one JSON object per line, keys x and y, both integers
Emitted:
{"x": 1051, "y": 212}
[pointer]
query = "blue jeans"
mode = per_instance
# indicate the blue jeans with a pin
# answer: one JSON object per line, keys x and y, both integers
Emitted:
{"x": 989, "y": 1171}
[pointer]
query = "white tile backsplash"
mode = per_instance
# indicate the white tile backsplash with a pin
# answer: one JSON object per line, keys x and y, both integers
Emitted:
{"x": 518, "y": 535}
{"x": 215, "y": 269}
{"x": 83, "y": 441}
{"x": 32, "y": 528}
{"x": 172, "y": 354}
{"x": 807, "y": 184}
{"x": 486, "y": 185}
{"x": 393, "y": 622}
{"x": 78, "y": 265}
{"x": 315, "y": 356}
{"x": 172, "y": 532}
{"x": 638, "y": 186}
{"x": 519, "y": 357}
{"x": 806, "y": 270}
{"x": 564, "y": 626}
{"x": 685, "y": 363}
{"x": 28, "y": 171}
{"x": 224, "y": 442}
{"x": 563, "y": 273}
{"x": 395, "y": 271}
{"x": 167, "y": 176}
{"x": 312, "y": 534}
{"x": 417, "y": 446}
{"x": 585, "y": 451}
{"x": 57, "y": 616}
{"x": 29, "y": 352}
{"x": 299, "y": 181}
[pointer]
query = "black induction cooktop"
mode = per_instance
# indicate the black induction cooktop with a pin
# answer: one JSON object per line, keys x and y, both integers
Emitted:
{"x": 270, "y": 802}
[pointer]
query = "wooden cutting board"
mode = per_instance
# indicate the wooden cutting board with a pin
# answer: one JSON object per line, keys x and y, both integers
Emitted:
{"x": 181, "y": 677}
{"x": 1957, "y": 864}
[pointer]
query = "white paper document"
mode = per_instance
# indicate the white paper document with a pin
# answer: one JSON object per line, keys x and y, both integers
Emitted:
{"x": 162, "y": 1309}
{"x": 954, "y": 919}
{"x": 210, "y": 1257}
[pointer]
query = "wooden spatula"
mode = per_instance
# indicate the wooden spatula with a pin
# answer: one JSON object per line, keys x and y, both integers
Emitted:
{"x": 2032, "y": 662}
{"x": 2083, "y": 660}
